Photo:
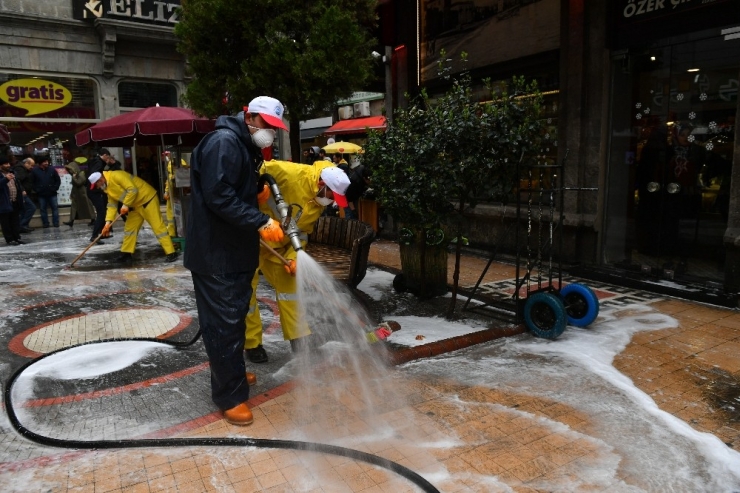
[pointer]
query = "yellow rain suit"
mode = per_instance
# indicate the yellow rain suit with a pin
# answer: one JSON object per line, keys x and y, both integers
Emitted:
{"x": 298, "y": 184}
{"x": 143, "y": 204}
{"x": 168, "y": 186}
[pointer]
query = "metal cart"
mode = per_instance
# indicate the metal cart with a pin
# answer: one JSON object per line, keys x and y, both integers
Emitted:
{"x": 539, "y": 298}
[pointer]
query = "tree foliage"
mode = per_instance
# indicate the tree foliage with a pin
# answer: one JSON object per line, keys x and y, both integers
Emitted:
{"x": 442, "y": 155}
{"x": 307, "y": 54}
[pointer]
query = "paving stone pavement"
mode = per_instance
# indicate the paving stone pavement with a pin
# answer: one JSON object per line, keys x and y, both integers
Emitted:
{"x": 460, "y": 428}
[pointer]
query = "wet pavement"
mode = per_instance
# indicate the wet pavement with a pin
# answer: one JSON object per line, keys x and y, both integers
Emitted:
{"x": 645, "y": 399}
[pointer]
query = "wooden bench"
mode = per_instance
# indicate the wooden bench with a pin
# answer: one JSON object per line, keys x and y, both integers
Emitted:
{"x": 341, "y": 246}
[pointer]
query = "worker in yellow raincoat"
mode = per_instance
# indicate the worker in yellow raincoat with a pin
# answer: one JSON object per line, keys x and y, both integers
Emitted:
{"x": 311, "y": 187}
{"x": 140, "y": 202}
{"x": 168, "y": 186}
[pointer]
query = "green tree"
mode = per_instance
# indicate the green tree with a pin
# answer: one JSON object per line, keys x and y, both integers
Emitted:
{"x": 307, "y": 54}
{"x": 441, "y": 156}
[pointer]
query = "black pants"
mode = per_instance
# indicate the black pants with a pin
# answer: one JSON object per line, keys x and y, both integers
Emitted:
{"x": 223, "y": 303}
{"x": 10, "y": 222}
{"x": 100, "y": 202}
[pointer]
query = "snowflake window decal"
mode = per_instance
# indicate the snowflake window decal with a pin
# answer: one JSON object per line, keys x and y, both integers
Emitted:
{"x": 547, "y": 136}
{"x": 709, "y": 146}
{"x": 703, "y": 96}
{"x": 638, "y": 116}
{"x": 638, "y": 105}
{"x": 713, "y": 126}
{"x": 646, "y": 111}
{"x": 691, "y": 138}
{"x": 692, "y": 115}
{"x": 549, "y": 120}
{"x": 679, "y": 96}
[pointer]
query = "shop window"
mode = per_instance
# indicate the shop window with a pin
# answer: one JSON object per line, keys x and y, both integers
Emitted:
{"x": 146, "y": 94}
{"x": 671, "y": 158}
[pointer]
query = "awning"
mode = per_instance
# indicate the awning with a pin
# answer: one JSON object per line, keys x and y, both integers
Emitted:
{"x": 357, "y": 125}
{"x": 312, "y": 133}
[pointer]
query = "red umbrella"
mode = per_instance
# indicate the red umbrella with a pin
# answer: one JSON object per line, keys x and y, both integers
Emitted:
{"x": 158, "y": 125}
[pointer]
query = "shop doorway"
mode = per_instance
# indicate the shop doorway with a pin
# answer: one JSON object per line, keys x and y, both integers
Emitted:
{"x": 673, "y": 117}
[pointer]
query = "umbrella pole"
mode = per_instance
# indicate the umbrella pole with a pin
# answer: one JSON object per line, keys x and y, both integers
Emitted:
{"x": 134, "y": 167}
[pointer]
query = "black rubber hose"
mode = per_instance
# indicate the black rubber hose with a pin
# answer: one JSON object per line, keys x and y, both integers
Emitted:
{"x": 265, "y": 177}
{"x": 407, "y": 473}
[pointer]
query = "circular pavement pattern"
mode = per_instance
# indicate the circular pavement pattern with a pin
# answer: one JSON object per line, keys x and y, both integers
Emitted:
{"x": 112, "y": 324}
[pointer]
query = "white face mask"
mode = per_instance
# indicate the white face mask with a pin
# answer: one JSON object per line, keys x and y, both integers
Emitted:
{"x": 263, "y": 137}
{"x": 323, "y": 201}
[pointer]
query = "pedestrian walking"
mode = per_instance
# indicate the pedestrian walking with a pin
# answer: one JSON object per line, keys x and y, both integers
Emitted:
{"x": 11, "y": 204}
{"x": 81, "y": 207}
{"x": 22, "y": 172}
{"x": 46, "y": 183}
{"x": 98, "y": 164}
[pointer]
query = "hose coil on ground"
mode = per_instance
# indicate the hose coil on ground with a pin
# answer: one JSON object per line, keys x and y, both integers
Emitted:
{"x": 190, "y": 442}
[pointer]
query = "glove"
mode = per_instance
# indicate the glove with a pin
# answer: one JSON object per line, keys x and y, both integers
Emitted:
{"x": 382, "y": 333}
{"x": 291, "y": 269}
{"x": 271, "y": 231}
{"x": 124, "y": 210}
{"x": 264, "y": 195}
{"x": 106, "y": 229}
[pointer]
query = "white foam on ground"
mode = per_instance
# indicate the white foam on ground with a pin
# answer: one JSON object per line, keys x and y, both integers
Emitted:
{"x": 659, "y": 451}
{"x": 91, "y": 360}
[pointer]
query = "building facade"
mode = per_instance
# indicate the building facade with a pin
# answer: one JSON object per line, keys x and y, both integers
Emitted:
{"x": 106, "y": 57}
{"x": 641, "y": 103}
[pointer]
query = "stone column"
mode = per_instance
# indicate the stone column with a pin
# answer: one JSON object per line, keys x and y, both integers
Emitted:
{"x": 584, "y": 84}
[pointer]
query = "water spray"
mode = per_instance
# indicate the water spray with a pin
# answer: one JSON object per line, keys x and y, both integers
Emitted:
{"x": 285, "y": 210}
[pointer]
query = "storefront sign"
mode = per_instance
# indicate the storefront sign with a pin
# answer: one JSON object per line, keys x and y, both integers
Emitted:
{"x": 147, "y": 11}
{"x": 648, "y": 9}
{"x": 636, "y": 22}
{"x": 359, "y": 97}
{"x": 36, "y": 96}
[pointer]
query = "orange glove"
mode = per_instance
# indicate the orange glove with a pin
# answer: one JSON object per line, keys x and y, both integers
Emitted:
{"x": 290, "y": 269}
{"x": 106, "y": 229}
{"x": 264, "y": 195}
{"x": 271, "y": 231}
{"x": 124, "y": 210}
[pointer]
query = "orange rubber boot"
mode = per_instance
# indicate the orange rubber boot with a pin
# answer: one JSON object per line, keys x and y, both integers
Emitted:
{"x": 251, "y": 379}
{"x": 240, "y": 415}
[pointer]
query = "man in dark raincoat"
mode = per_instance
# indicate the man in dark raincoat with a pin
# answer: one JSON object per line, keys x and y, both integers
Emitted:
{"x": 222, "y": 238}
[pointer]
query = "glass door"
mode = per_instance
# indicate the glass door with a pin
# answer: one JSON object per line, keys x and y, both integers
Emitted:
{"x": 671, "y": 159}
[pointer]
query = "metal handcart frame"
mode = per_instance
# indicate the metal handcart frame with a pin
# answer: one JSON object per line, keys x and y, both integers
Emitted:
{"x": 539, "y": 299}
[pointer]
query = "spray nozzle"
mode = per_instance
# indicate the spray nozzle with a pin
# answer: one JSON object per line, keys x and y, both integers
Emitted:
{"x": 285, "y": 211}
{"x": 290, "y": 226}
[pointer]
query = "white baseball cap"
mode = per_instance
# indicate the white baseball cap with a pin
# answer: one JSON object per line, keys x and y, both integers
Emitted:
{"x": 93, "y": 179}
{"x": 338, "y": 181}
{"x": 270, "y": 109}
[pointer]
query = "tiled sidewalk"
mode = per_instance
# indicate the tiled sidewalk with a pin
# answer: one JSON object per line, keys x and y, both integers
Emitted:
{"x": 499, "y": 440}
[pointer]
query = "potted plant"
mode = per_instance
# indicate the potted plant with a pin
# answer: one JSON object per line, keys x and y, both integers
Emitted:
{"x": 441, "y": 156}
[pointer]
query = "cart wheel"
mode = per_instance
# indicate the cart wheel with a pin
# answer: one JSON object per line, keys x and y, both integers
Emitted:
{"x": 399, "y": 283}
{"x": 581, "y": 304}
{"x": 544, "y": 315}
